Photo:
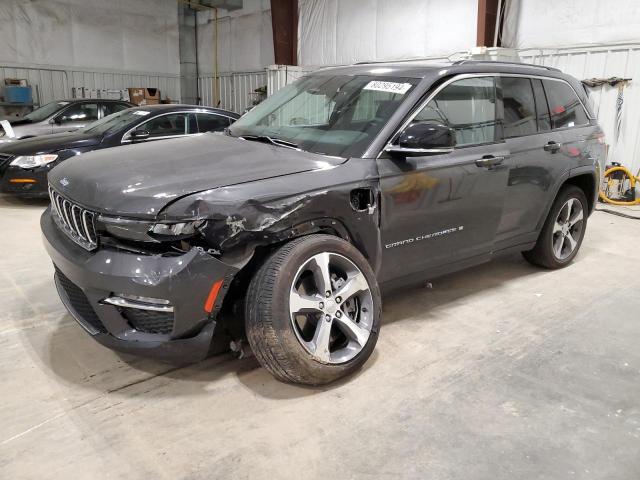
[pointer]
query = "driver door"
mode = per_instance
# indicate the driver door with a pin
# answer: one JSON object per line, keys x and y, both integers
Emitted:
{"x": 443, "y": 208}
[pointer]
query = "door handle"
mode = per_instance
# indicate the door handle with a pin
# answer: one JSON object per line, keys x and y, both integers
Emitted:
{"x": 552, "y": 147}
{"x": 489, "y": 161}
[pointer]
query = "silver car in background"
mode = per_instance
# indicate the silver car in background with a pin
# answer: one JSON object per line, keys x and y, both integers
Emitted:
{"x": 59, "y": 116}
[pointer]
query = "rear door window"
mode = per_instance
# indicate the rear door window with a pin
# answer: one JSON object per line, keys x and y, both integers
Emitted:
{"x": 210, "y": 122}
{"x": 564, "y": 105}
{"x": 469, "y": 107}
{"x": 519, "y": 107}
{"x": 169, "y": 125}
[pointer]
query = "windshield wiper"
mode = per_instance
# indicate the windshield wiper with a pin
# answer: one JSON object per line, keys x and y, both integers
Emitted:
{"x": 272, "y": 140}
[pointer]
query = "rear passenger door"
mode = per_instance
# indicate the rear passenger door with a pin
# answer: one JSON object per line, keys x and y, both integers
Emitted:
{"x": 537, "y": 113}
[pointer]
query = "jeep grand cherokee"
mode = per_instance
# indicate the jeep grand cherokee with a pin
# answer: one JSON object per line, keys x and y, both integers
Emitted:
{"x": 285, "y": 228}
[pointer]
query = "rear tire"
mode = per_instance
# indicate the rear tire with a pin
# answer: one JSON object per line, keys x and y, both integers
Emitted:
{"x": 563, "y": 230}
{"x": 300, "y": 329}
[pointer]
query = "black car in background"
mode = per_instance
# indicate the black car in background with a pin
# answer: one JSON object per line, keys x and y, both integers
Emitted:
{"x": 24, "y": 164}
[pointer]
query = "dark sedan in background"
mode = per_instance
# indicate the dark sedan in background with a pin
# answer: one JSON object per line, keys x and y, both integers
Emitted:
{"x": 24, "y": 165}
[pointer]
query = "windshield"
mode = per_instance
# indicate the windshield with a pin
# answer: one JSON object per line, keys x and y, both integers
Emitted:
{"x": 335, "y": 115}
{"x": 45, "y": 111}
{"x": 115, "y": 121}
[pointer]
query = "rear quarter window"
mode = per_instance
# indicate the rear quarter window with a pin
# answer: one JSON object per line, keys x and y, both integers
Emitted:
{"x": 564, "y": 106}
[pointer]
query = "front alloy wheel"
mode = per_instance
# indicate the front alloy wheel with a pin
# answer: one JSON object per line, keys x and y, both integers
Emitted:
{"x": 331, "y": 307}
{"x": 312, "y": 310}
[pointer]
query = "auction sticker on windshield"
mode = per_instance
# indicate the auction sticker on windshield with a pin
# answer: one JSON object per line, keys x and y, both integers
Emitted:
{"x": 391, "y": 87}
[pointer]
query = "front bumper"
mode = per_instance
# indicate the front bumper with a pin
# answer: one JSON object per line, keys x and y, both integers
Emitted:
{"x": 84, "y": 279}
{"x": 28, "y": 183}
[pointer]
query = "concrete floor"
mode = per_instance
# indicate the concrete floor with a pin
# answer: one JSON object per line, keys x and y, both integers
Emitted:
{"x": 501, "y": 372}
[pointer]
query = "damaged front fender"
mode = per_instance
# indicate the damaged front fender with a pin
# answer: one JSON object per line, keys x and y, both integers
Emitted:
{"x": 243, "y": 217}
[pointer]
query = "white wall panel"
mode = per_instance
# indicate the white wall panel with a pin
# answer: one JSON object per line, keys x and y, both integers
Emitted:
{"x": 245, "y": 39}
{"x": 139, "y": 35}
{"x": 335, "y": 32}
{"x": 552, "y": 23}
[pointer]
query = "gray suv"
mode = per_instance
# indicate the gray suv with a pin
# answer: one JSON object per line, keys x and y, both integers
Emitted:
{"x": 284, "y": 230}
{"x": 60, "y": 116}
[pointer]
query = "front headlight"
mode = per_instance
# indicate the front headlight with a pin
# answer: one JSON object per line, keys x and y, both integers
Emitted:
{"x": 144, "y": 231}
{"x": 33, "y": 161}
{"x": 175, "y": 231}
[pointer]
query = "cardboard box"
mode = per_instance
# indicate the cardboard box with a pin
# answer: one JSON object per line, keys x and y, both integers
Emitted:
{"x": 136, "y": 95}
{"x": 144, "y": 96}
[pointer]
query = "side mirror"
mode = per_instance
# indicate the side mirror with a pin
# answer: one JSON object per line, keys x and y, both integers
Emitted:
{"x": 423, "y": 138}
{"x": 58, "y": 120}
{"x": 138, "y": 135}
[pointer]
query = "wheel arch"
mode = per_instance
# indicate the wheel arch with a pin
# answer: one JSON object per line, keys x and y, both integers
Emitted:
{"x": 585, "y": 179}
{"x": 324, "y": 225}
{"x": 585, "y": 182}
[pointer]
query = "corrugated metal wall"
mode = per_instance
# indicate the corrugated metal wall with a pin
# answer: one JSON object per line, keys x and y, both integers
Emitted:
{"x": 603, "y": 62}
{"x": 236, "y": 90}
{"x": 53, "y": 83}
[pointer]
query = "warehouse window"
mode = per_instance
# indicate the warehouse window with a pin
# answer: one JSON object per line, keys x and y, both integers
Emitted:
{"x": 564, "y": 105}
{"x": 469, "y": 107}
{"x": 519, "y": 107}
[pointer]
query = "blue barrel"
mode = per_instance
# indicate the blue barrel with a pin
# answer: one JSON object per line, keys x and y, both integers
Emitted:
{"x": 16, "y": 94}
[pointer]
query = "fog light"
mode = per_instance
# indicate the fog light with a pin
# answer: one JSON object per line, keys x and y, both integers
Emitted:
{"x": 141, "y": 303}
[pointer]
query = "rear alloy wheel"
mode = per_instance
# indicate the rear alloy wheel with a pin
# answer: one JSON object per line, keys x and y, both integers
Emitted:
{"x": 567, "y": 229}
{"x": 563, "y": 231}
{"x": 313, "y": 310}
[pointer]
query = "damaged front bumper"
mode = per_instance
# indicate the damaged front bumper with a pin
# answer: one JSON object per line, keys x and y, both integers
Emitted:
{"x": 170, "y": 323}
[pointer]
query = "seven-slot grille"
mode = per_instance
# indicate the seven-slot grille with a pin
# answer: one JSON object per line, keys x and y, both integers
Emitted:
{"x": 77, "y": 222}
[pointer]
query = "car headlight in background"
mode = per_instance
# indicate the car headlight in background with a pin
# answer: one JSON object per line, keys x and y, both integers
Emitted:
{"x": 33, "y": 161}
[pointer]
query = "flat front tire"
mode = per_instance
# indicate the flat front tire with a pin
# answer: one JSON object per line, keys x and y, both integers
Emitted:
{"x": 312, "y": 310}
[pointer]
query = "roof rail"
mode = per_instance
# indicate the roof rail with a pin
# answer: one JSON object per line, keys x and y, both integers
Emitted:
{"x": 404, "y": 60}
{"x": 462, "y": 62}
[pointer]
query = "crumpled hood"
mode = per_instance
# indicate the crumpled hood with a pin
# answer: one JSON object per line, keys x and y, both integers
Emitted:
{"x": 139, "y": 180}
